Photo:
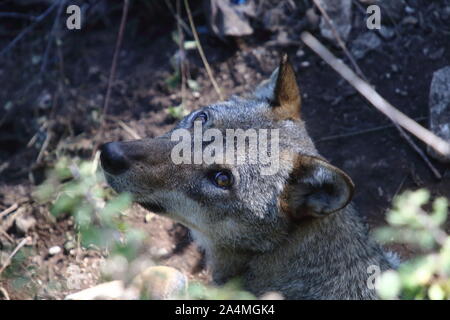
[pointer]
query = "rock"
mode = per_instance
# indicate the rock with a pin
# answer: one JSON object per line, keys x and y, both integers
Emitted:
{"x": 340, "y": 12}
{"x": 409, "y": 10}
{"x": 69, "y": 245}
{"x": 44, "y": 101}
{"x": 410, "y": 20}
{"x": 433, "y": 53}
{"x": 53, "y": 251}
{"x": 113, "y": 290}
{"x": 272, "y": 295}
{"x": 160, "y": 283}
{"x": 364, "y": 43}
{"x": 273, "y": 19}
{"x": 313, "y": 18}
{"x": 386, "y": 33}
{"x": 157, "y": 282}
{"x": 115, "y": 267}
{"x": 24, "y": 224}
{"x": 439, "y": 104}
{"x": 158, "y": 252}
{"x": 305, "y": 64}
{"x": 230, "y": 19}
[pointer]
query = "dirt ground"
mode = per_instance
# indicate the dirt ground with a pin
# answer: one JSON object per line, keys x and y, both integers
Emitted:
{"x": 58, "y": 111}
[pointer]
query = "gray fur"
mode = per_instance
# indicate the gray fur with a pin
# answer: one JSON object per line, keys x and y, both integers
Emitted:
{"x": 244, "y": 230}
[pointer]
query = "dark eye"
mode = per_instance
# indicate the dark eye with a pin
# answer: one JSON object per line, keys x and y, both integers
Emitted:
{"x": 201, "y": 116}
{"x": 223, "y": 179}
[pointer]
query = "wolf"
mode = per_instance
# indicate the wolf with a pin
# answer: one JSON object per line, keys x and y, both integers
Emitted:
{"x": 294, "y": 231}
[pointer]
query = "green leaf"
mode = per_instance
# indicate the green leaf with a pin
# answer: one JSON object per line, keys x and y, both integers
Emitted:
{"x": 193, "y": 85}
{"x": 435, "y": 292}
{"x": 440, "y": 211}
{"x": 64, "y": 204}
{"x": 177, "y": 112}
{"x": 389, "y": 285}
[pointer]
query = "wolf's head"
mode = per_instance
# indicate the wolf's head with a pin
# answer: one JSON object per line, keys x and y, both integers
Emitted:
{"x": 241, "y": 173}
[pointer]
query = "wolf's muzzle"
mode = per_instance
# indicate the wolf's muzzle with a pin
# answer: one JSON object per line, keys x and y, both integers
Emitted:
{"x": 113, "y": 158}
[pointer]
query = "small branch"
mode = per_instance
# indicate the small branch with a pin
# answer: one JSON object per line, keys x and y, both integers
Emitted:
{"x": 338, "y": 37}
{"x": 8, "y": 260}
{"x": 361, "y": 74}
{"x": 182, "y": 54}
{"x": 200, "y": 50}
{"x": 44, "y": 146}
{"x": 7, "y": 211}
{"x": 51, "y": 36}
{"x": 29, "y": 28}
{"x": 6, "y": 235}
{"x": 178, "y": 17}
{"x": 5, "y": 293}
{"x": 419, "y": 151}
{"x": 375, "y": 99}
{"x": 130, "y": 131}
{"x": 112, "y": 73}
{"x": 360, "y": 132}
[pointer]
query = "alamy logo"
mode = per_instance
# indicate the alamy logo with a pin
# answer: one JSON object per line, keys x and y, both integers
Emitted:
{"x": 74, "y": 20}
{"x": 374, "y": 20}
{"x": 374, "y": 272}
{"x": 237, "y": 147}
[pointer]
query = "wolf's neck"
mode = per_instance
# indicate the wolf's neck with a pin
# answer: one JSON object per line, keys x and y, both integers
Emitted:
{"x": 327, "y": 258}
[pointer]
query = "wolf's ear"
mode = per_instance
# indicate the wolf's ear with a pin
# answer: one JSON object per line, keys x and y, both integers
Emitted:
{"x": 315, "y": 189}
{"x": 266, "y": 89}
{"x": 282, "y": 91}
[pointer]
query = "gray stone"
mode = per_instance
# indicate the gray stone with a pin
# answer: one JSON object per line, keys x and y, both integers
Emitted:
{"x": 340, "y": 12}
{"x": 53, "y": 251}
{"x": 387, "y": 33}
{"x": 160, "y": 283}
{"x": 439, "y": 105}
{"x": 364, "y": 43}
{"x": 227, "y": 19}
{"x": 24, "y": 224}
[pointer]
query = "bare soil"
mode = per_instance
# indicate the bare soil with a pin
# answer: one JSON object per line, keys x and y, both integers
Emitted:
{"x": 68, "y": 97}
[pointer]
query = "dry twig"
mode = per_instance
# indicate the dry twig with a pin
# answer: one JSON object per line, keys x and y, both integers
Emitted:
{"x": 200, "y": 50}
{"x": 8, "y": 210}
{"x": 182, "y": 55}
{"x": 402, "y": 132}
{"x": 130, "y": 131}
{"x": 51, "y": 36}
{"x": 8, "y": 260}
{"x": 397, "y": 117}
{"x": 360, "y": 132}
{"x": 4, "y": 293}
{"x": 337, "y": 36}
{"x": 29, "y": 28}
{"x": 178, "y": 17}
{"x": 112, "y": 73}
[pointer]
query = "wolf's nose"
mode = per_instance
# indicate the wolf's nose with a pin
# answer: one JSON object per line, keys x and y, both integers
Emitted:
{"x": 113, "y": 158}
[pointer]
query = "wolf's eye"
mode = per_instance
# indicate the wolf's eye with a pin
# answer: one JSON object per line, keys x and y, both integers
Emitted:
{"x": 223, "y": 179}
{"x": 201, "y": 116}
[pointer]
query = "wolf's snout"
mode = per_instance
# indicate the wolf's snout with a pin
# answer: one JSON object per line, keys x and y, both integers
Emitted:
{"x": 113, "y": 158}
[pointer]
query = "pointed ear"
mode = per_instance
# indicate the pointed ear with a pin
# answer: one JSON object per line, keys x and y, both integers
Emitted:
{"x": 287, "y": 100}
{"x": 282, "y": 91}
{"x": 315, "y": 189}
{"x": 266, "y": 89}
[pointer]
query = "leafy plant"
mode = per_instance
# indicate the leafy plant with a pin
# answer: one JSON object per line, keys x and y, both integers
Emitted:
{"x": 77, "y": 188}
{"x": 427, "y": 276}
{"x": 230, "y": 291}
{"x": 177, "y": 112}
